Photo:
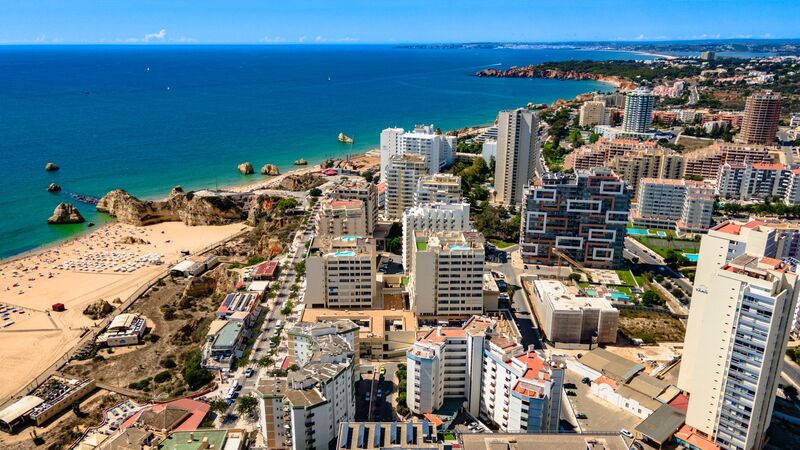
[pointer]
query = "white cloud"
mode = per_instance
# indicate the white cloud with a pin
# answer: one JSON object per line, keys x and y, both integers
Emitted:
{"x": 320, "y": 39}
{"x": 302, "y": 38}
{"x": 706, "y": 36}
{"x": 272, "y": 39}
{"x": 156, "y": 36}
{"x": 766, "y": 36}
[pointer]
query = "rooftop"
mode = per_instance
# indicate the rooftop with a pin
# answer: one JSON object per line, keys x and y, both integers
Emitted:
{"x": 662, "y": 424}
{"x": 564, "y": 297}
{"x": 194, "y": 440}
{"x": 371, "y": 322}
{"x": 523, "y": 441}
{"x": 611, "y": 365}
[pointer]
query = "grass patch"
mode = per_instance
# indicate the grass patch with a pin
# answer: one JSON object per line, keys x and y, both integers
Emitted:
{"x": 422, "y": 246}
{"x": 501, "y": 244}
{"x": 651, "y": 327}
{"x": 626, "y": 277}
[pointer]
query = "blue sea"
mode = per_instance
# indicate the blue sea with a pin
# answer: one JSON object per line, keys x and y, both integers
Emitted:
{"x": 147, "y": 118}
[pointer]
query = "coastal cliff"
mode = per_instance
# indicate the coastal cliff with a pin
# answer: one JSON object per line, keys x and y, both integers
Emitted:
{"x": 534, "y": 71}
{"x": 193, "y": 210}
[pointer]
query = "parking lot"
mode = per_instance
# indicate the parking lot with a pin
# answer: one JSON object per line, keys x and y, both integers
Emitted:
{"x": 376, "y": 407}
{"x": 600, "y": 416}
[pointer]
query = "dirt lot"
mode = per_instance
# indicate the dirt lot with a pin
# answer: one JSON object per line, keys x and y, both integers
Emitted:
{"x": 179, "y": 327}
{"x": 650, "y": 326}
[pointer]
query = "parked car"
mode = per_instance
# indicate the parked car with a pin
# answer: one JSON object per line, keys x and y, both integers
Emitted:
{"x": 581, "y": 416}
{"x": 626, "y": 433}
{"x": 586, "y": 380}
{"x": 571, "y": 394}
{"x": 249, "y": 372}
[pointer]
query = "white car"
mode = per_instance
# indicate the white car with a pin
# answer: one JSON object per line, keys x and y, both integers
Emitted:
{"x": 626, "y": 433}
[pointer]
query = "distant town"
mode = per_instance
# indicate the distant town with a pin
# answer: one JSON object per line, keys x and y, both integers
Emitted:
{"x": 613, "y": 271}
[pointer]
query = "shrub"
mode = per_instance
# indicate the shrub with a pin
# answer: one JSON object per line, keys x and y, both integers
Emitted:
{"x": 196, "y": 376}
{"x": 162, "y": 376}
{"x": 168, "y": 363}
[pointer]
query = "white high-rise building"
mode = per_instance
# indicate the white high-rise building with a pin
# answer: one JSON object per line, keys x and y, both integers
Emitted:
{"x": 438, "y": 188}
{"x": 402, "y": 175}
{"x": 432, "y": 217}
{"x": 357, "y": 188}
{"x": 518, "y": 154}
{"x": 639, "y": 105}
{"x": 424, "y": 140}
{"x": 342, "y": 218}
{"x": 515, "y": 388}
{"x": 683, "y": 205}
{"x": 343, "y": 273}
{"x": 446, "y": 276}
{"x": 742, "y": 306}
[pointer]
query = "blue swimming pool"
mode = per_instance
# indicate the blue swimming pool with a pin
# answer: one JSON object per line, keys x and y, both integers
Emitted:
{"x": 620, "y": 297}
{"x": 691, "y": 257}
{"x": 638, "y": 232}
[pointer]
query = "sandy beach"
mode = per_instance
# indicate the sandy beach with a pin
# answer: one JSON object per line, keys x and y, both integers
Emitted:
{"x": 76, "y": 273}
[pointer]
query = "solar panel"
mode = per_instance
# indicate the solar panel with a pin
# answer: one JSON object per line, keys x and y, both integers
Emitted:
{"x": 376, "y": 440}
{"x": 395, "y": 433}
{"x": 409, "y": 433}
{"x": 345, "y": 436}
{"x": 426, "y": 430}
{"x": 361, "y": 433}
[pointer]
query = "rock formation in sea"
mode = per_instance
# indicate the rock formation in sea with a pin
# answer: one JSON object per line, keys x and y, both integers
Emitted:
{"x": 270, "y": 169}
{"x": 301, "y": 162}
{"x": 65, "y": 213}
{"x": 533, "y": 71}
{"x": 50, "y": 167}
{"x": 245, "y": 168}
{"x": 180, "y": 206}
{"x": 53, "y": 188}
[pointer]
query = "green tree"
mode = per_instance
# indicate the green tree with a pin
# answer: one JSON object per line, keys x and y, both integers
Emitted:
{"x": 394, "y": 244}
{"x": 369, "y": 176}
{"x": 194, "y": 375}
{"x": 219, "y": 406}
{"x": 593, "y": 137}
{"x": 651, "y": 298}
{"x": 286, "y": 203}
{"x": 575, "y": 138}
{"x": 246, "y": 405}
{"x": 264, "y": 361}
{"x": 315, "y": 192}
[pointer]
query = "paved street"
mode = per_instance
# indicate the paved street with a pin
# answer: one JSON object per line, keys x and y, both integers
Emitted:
{"x": 377, "y": 407}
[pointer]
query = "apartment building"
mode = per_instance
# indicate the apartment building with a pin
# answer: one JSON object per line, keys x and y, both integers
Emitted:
{"x": 515, "y": 388}
{"x": 651, "y": 163}
{"x": 585, "y": 158}
{"x": 593, "y": 113}
{"x": 425, "y": 140}
{"x": 639, "y": 105}
{"x": 683, "y": 205}
{"x": 582, "y": 215}
{"x": 753, "y": 181}
{"x": 342, "y": 218}
{"x": 357, "y": 188}
{"x": 446, "y": 276}
{"x": 518, "y": 154}
{"x": 343, "y": 272}
{"x": 742, "y": 306}
{"x": 568, "y": 316}
{"x": 402, "y": 175}
{"x": 432, "y": 217}
{"x": 762, "y": 112}
{"x": 706, "y": 162}
{"x": 304, "y": 409}
{"x": 440, "y": 188}
{"x": 603, "y": 151}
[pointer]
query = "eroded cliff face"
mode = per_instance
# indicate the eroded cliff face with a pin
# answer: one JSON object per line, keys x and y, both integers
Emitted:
{"x": 180, "y": 206}
{"x": 533, "y": 71}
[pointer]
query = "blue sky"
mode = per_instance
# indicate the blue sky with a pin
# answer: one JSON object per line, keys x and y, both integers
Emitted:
{"x": 389, "y": 21}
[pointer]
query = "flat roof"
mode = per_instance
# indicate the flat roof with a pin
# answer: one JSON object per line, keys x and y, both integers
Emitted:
{"x": 266, "y": 269}
{"x": 375, "y": 318}
{"x": 228, "y": 334}
{"x": 564, "y": 297}
{"x": 611, "y": 365}
{"x": 524, "y": 441}
{"x": 180, "y": 440}
{"x": 183, "y": 265}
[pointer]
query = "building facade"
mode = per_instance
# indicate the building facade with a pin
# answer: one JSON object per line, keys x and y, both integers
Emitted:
{"x": 357, "y": 188}
{"x": 440, "y": 150}
{"x": 761, "y": 115}
{"x": 593, "y": 113}
{"x": 518, "y": 154}
{"x": 402, "y": 175}
{"x": 753, "y": 181}
{"x": 342, "y": 273}
{"x": 651, "y": 163}
{"x": 342, "y": 218}
{"x": 432, "y": 217}
{"x": 443, "y": 188}
{"x": 446, "y": 276}
{"x": 499, "y": 380}
{"x": 683, "y": 205}
{"x": 742, "y": 306}
{"x": 639, "y": 105}
{"x": 581, "y": 215}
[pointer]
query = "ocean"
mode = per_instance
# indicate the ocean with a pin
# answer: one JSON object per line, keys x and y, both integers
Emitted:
{"x": 147, "y": 118}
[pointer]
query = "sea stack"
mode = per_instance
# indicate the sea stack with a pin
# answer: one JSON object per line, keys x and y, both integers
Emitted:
{"x": 270, "y": 169}
{"x": 50, "y": 167}
{"x": 245, "y": 168}
{"x": 301, "y": 162}
{"x": 53, "y": 188}
{"x": 65, "y": 213}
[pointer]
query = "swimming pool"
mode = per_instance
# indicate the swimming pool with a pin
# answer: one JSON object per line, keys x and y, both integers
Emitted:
{"x": 620, "y": 297}
{"x": 638, "y": 232}
{"x": 692, "y": 257}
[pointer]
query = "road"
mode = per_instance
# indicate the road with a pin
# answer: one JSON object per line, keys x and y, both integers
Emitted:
{"x": 519, "y": 308}
{"x": 379, "y": 408}
{"x": 261, "y": 346}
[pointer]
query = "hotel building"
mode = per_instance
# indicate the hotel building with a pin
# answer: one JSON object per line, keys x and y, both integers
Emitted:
{"x": 498, "y": 380}
{"x": 425, "y": 140}
{"x": 304, "y": 409}
{"x": 639, "y": 105}
{"x": 753, "y": 181}
{"x": 683, "y": 205}
{"x": 593, "y": 113}
{"x": 343, "y": 273}
{"x": 446, "y": 276}
{"x": 743, "y": 304}
{"x": 583, "y": 215}
{"x": 438, "y": 188}
{"x": 342, "y": 218}
{"x": 518, "y": 154}
{"x": 402, "y": 175}
{"x": 432, "y": 217}
{"x": 762, "y": 112}
{"x": 357, "y": 188}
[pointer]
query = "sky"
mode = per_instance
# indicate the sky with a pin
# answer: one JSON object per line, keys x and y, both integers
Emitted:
{"x": 389, "y": 21}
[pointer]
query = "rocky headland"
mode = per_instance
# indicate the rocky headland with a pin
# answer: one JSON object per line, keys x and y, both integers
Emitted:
{"x": 534, "y": 71}
{"x": 65, "y": 213}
